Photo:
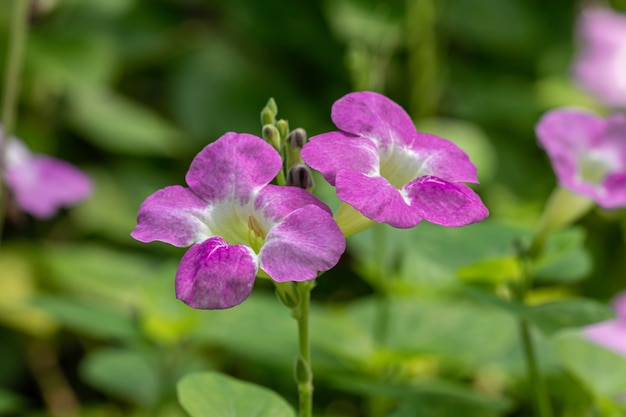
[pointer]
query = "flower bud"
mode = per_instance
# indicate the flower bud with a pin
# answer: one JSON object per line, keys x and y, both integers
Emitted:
{"x": 283, "y": 127}
{"x": 299, "y": 175}
{"x": 268, "y": 114}
{"x": 302, "y": 371}
{"x": 271, "y": 135}
{"x": 296, "y": 138}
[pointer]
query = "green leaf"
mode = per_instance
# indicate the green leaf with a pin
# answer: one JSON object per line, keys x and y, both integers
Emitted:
{"x": 492, "y": 271}
{"x": 601, "y": 370}
{"x": 117, "y": 124}
{"x": 123, "y": 373}
{"x": 564, "y": 259}
{"x": 90, "y": 319}
{"x": 558, "y": 315}
{"x": 210, "y": 394}
{"x": 549, "y": 317}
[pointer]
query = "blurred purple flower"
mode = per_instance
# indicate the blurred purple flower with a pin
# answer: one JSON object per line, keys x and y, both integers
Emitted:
{"x": 600, "y": 66}
{"x": 588, "y": 153}
{"x": 237, "y": 222}
{"x": 383, "y": 167}
{"x": 41, "y": 184}
{"x": 611, "y": 333}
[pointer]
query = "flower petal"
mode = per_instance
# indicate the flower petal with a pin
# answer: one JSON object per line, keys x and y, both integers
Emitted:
{"x": 376, "y": 199}
{"x": 443, "y": 203}
{"x": 234, "y": 166}
{"x": 610, "y": 334}
{"x": 306, "y": 242}
{"x": 374, "y": 116}
{"x": 174, "y": 215}
{"x": 213, "y": 275}
{"x": 330, "y": 152}
{"x": 444, "y": 159}
{"x": 41, "y": 184}
{"x": 619, "y": 304}
{"x": 277, "y": 202}
{"x": 566, "y": 134}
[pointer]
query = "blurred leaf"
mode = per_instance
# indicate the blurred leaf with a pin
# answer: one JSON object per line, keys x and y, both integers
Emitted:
{"x": 109, "y": 211}
{"x": 428, "y": 256}
{"x": 550, "y": 317}
{"x": 115, "y": 123}
{"x": 210, "y": 394}
{"x": 99, "y": 271}
{"x": 10, "y": 403}
{"x": 18, "y": 288}
{"x": 69, "y": 61}
{"x": 89, "y": 318}
{"x": 558, "y": 315}
{"x": 492, "y": 271}
{"x": 126, "y": 374}
{"x": 431, "y": 398}
{"x": 334, "y": 335}
{"x": 564, "y": 259}
{"x": 601, "y": 370}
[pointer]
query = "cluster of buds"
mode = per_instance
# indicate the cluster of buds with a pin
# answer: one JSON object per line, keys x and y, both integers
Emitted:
{"x": 288, "y": 144}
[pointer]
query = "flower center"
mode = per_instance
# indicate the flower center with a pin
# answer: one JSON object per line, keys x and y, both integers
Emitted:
{"x": 594, "y": 168}
{"x": 256, "y": 234}
{"x": 238, "y": 225}
{"x": 399, "y": 165}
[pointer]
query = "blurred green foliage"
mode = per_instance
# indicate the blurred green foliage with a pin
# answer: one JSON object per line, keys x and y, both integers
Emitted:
{"x": 130, "y": 91}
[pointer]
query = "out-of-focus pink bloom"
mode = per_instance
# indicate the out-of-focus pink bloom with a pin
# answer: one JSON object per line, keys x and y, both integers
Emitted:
{"x": 600, "y": 66}
{"x": 611, "y": 333}
{"x": 588, "y": 153}
{"x": 41, "y": 184}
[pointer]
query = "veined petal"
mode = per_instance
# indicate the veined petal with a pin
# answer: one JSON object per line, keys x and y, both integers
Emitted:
{"x": 374, "y": 116}
{"x": 213, "y": 275}
{"x": 330, "y": 152}
{"x": 612, "y": 192}
{"x": 610, "y": 334}
{"x": 305, "y": 242}
{"x": 564, "y": 132}
{"x": 41, "y": 184}
{"x": 234, "y": 166}
{"x": 619, "y": 304}
{"x": 277, "y": 202}
{"x": 443, "y": 203}
{"x": 174, "y": 215}
{"x": 444, "y": 159}
{"x": 376, "y": 199}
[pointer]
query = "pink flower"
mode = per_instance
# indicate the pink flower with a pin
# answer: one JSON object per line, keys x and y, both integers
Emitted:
{"x": 384, "y": 168}
{"x": 588, "y": 153}
{"x": 236, "y": 222}
{"x": 600, "y": 66}
{"x": 41, "y": 184}
{"x": 611, "y": 333}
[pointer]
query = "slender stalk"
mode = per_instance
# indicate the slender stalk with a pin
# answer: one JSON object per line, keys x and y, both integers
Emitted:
{"x": 424, "y": 88}
{"x": 541, "y": 398}
{"x": 540, "y": 391}
{"x": 303, "y": 371}
{"x": 381, "y": 321}
{"x": 14, "y": 60}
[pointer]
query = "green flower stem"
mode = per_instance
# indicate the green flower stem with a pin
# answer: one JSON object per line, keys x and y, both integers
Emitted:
{"x": 424, "y": 89}
{"x": 303, "y": 371}
{"x": 14, "y": 60}
{"x": 541, "y": 398}
{"x": 540, "y": 391}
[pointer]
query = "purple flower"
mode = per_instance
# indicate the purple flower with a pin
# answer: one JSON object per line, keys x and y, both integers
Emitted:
{"x": 588, "y": 153}
{"x": 237, "y": 222}
{"x": 600, "y": 66}
{"x": 391, "y": 173}
{"x": 40, "y": 184}
{"x": 611, "y": 333}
